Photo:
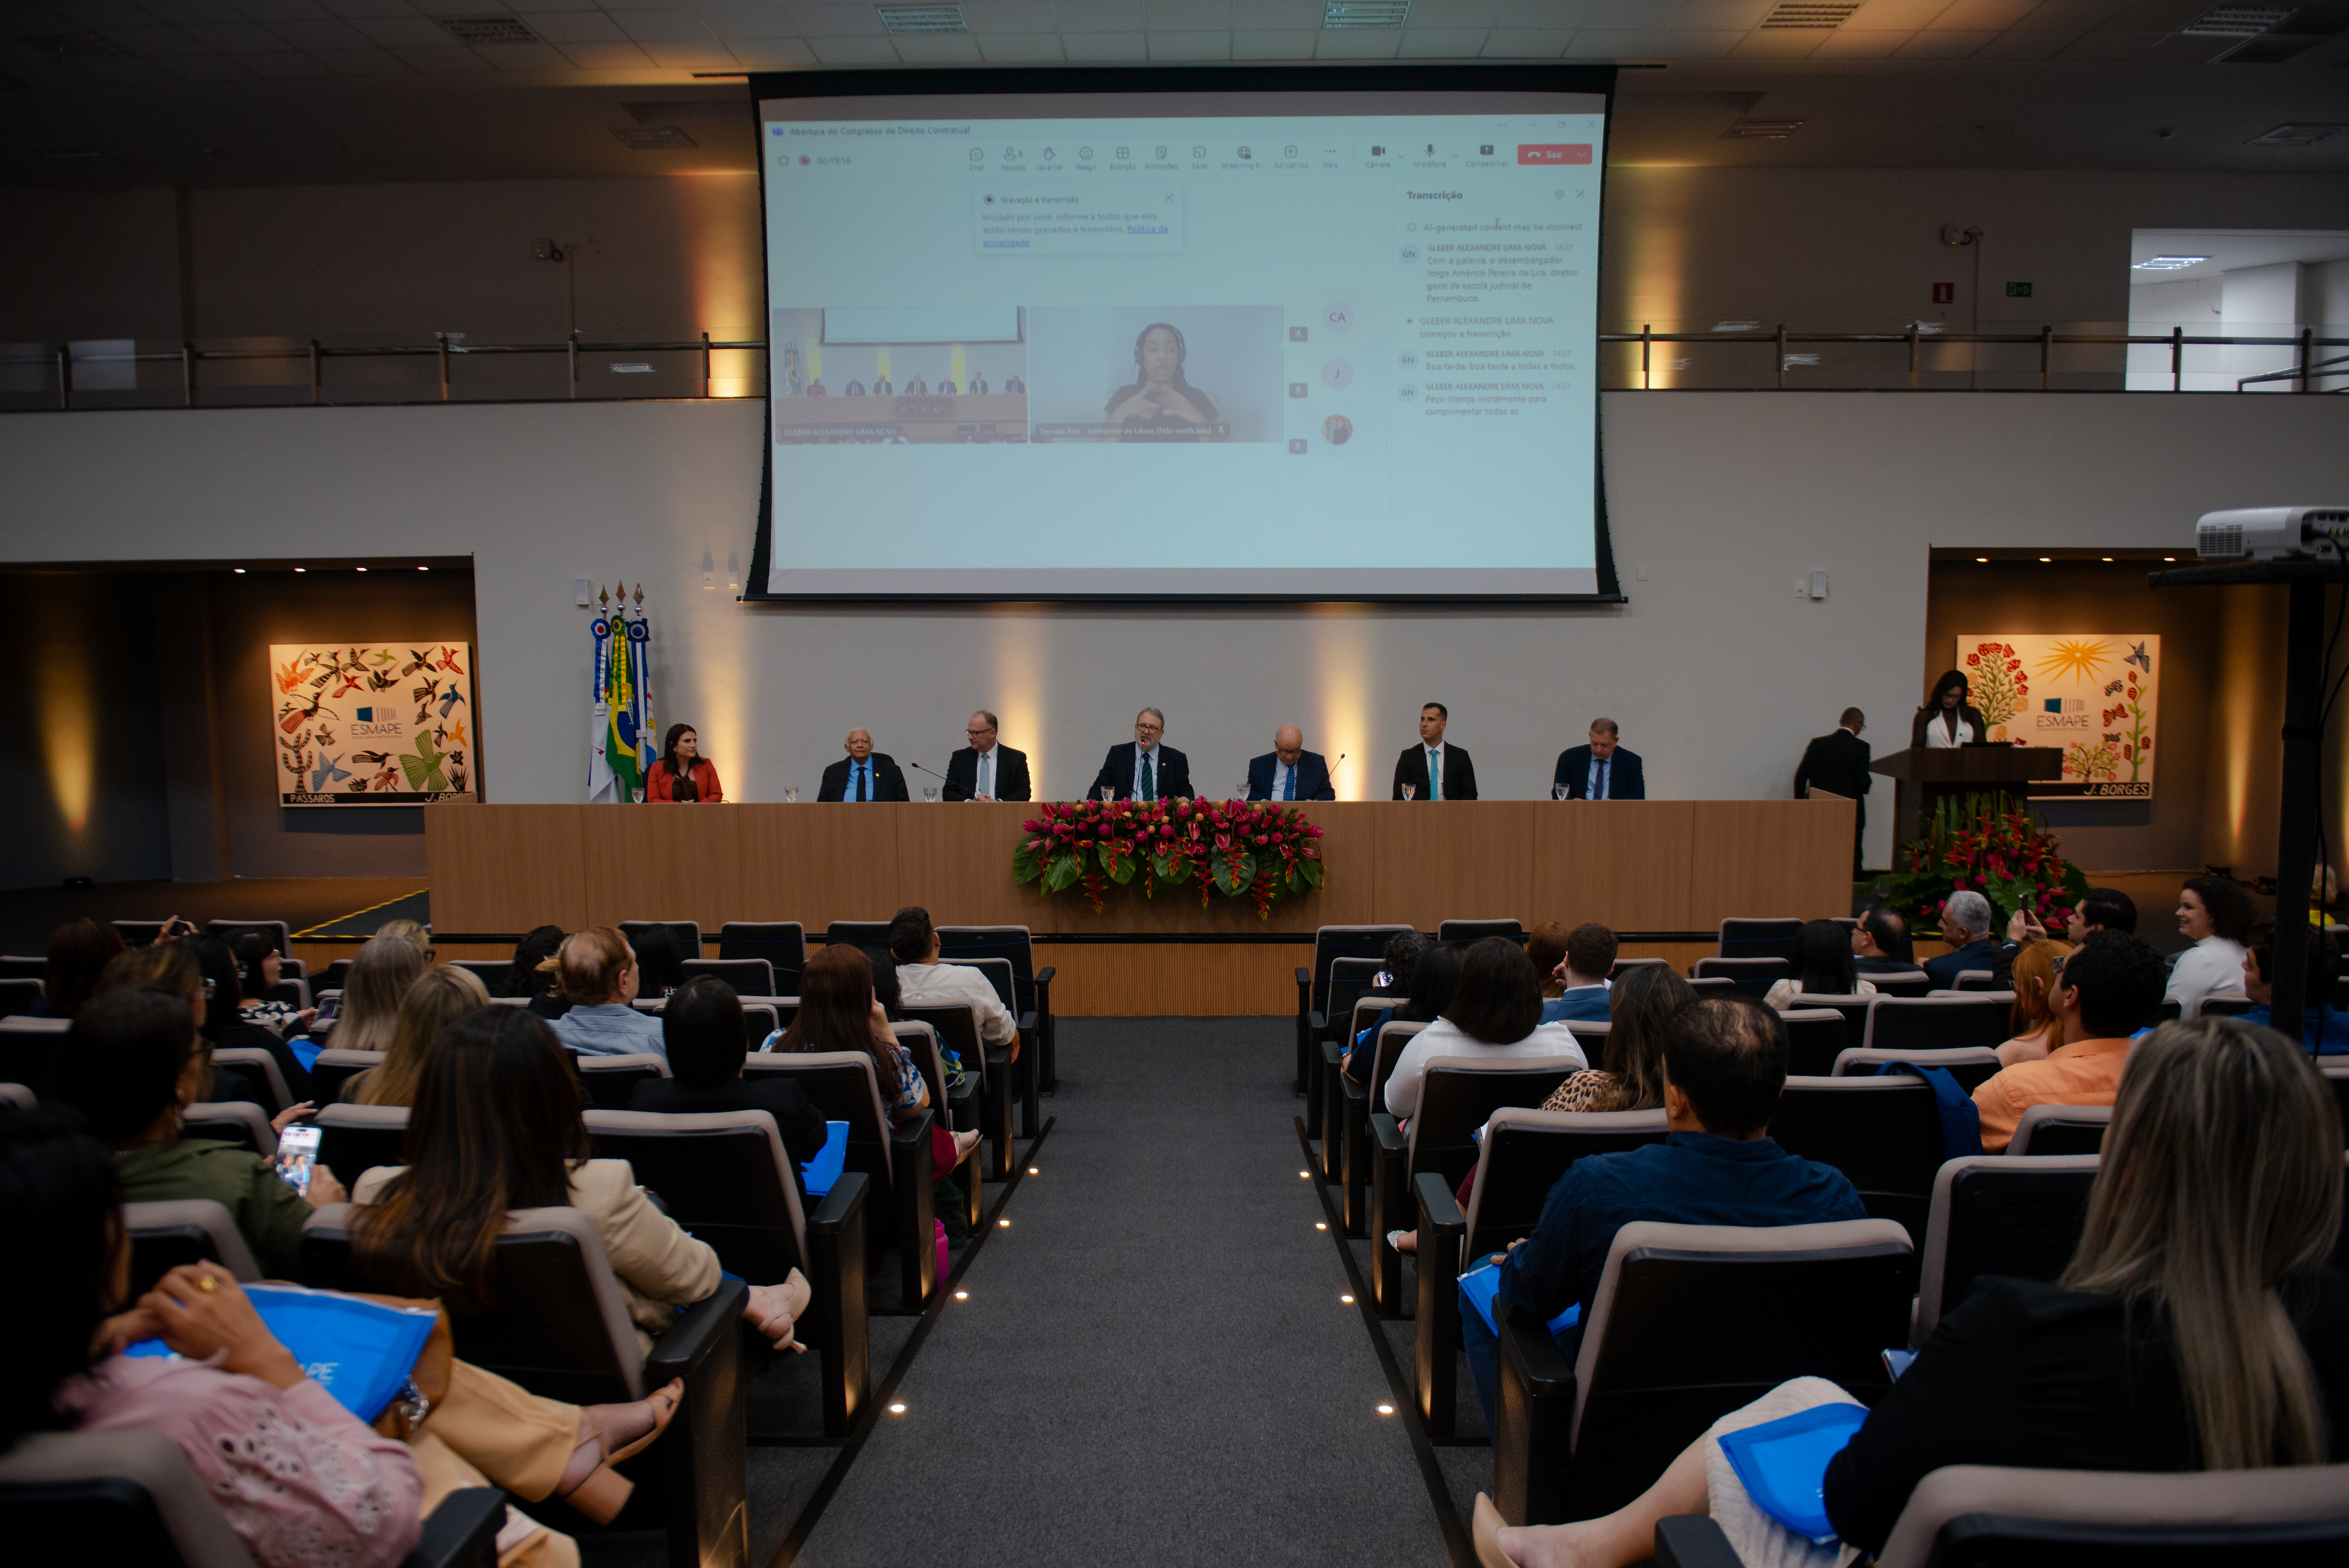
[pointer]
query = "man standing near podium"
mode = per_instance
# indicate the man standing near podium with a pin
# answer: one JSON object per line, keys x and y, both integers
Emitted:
{"x": 1837, "y": 764}
{"x": 1433, "y": 770}
{"x": 1146, "y": 770}
{"x": 1288, "y": 771}
{"x": 864, "y": 774}
{"x": 984, "y": 771}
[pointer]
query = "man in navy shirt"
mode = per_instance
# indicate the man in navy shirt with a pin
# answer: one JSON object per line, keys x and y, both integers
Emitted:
{"x": 1724, "y": 1065}
{"x": 2324, "y": 1028}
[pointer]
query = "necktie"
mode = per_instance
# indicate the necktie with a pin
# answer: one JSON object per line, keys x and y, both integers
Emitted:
{"x": 1149, "y": 783}
{"x": 1289, "y": 786}
{"x": 1600, "y": 793}
{"x": 864, "y": 781}
{"x": 1434, "y": 774}
{"x": 985, "y": 768}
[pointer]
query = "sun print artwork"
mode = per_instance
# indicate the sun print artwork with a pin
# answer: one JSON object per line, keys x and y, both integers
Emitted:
{"x": 2093, "y": 697}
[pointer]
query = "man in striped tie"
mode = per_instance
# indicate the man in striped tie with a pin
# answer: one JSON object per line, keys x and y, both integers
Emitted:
{"x": 1288, "y": 771}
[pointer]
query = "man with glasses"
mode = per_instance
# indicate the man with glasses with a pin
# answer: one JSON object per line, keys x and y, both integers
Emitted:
{"x": 1288, "y": 771}
{"x": 984, "y": 771}
{"x": 1144, "y": 770}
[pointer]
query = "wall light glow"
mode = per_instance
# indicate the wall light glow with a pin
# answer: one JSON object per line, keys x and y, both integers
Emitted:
{"x": 1342, "y": 663}
{"x": 67, "y": 726}
{"x": 721, "y": 217}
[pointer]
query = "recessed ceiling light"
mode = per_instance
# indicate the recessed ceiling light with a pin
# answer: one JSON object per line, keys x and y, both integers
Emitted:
{"x": 962, "y": 1295}
{"x": 897, "y": 1408}
{"x": 923, "y": 18}
{"x": 2166, "y": 263}
{"x": 1365, "y": 13}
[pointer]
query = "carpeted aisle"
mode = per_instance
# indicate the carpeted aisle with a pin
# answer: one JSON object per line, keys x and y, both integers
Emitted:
{"x": 1154, "y": 1364}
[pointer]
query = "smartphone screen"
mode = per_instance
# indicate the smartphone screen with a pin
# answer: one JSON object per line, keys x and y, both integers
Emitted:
{"x": 297, "y": 1156}
{"x": 327, "y": 1010}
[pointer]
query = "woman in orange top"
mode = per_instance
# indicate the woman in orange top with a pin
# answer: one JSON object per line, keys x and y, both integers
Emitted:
{"x": 683, "y": 774}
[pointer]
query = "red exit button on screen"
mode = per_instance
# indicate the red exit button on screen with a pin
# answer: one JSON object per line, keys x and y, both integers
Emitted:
{"x": 1554, "y": 153}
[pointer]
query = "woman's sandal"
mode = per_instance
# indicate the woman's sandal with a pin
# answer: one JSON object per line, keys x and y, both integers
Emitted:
{"x": 603, "y": 1491}
{"x": 1488, "y": 1531}
{"x": 1405, "y": 1242}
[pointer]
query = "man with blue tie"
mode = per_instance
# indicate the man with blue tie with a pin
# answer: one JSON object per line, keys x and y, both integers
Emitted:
{"x": 1146, "y": 770}
{"x": 1288, "y": 771}
{"x": 864, "y": 774}
{"x": 1601, "y": 771}
{"x": 1433, "y": 770}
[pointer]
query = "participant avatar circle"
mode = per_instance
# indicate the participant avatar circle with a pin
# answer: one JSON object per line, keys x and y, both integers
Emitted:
{"x": 1337, "y": 430}
{"x": 1338, "y": 375}
{"x": 1338, "y": 316}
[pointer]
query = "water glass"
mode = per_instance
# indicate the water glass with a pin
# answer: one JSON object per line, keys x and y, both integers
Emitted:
{"x": 1557, "y": 792}
{"x": 791, "y": 797}
{"x": 929, "y": 791}
{"x": 1411, "y": 792}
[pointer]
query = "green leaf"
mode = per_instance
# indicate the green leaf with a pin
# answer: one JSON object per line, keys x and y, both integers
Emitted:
{"x": 1119, "y": 864}
{"x": 1065, "y": 870}
{"x": 1026, "y": 865}
{"x": 1232, "y": 871}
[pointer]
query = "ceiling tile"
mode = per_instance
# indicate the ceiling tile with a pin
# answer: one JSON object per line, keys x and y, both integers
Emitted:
{"x": 1009, "y": 16}
{"x": 522, "y": 56}
{"x": 2070, "y": 15}
{"x": 1847, "y": 43}
{"x": 753, "y": 51}
{"x": 206, "y": 68}
{"x": 1104, "y": 46}
{"x": 937, "y": 48}
{"x": 2024, "y": 43}
{"x": 324, "y": 32}
{"x": 179, "y": 13}
{"x": 525, "y": 9}
{"x": 1704, "y": 45}
{"x": 839, "y": 22}
{"x": 1442, "y": 43}
{"x": 1187, "y": 15}
{"x": 1099, "y": 16}
{"x": 1527, "y": 42}
{"x": 1717, "y": 16}
{"x": 596, "y": 26}
{"x": 284, "y": 65}
{"x": 1357, "y": 44}
{"x": 1783, "y": 44}
{"x": 2106, "y": 44}
{"x": 1934, "y": 44}
{"x": 620, "y": 57}
{"x": 740, "y": 19}
{"x": 152, "y": 41}
{"x": 236, "y": 37}
{"x": 1893, "y": 15}
{"x": 364, "y": 63}
{"x": 472, "y": 7}
{"x": 1625, "y": 15}
{"x": 98, "y": 15}
{"x": 404, "y": 32}
{"x": 686, "y": 55}
{"x": 1021, "y": 47}
{"x": 1983, "y": 15}
{"x": 2157, "y": 16}
{"x": 866, "y": 51}
{"x": 647, "y": 26}
{"x": 1274, "y": 43}
{"x": 1280, "y": 16}
{"x": 445, "y": 60}
{"x": 126, "y": 73}
{"x": 278, "y": 10}
{"x": 1190, "y": 46}
{"x": 1454, "y": 14}
{"x": 1620, "y": 42}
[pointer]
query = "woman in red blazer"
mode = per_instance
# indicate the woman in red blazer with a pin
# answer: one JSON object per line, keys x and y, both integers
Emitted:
{"x": 683, "y": 774}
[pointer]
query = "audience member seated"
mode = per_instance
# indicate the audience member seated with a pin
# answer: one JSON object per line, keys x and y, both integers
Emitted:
{"x": 2198, "y": 1327}
{"x": 1581, "y": 975}
{"x": 1879, "y": 942}
{"x": 1639, "y": 1010}
{"x": 2108, "y": 988}
{"x": 224, "y": 1025}
{"x": 2102, "y": 909}
{"x": 2037, "y": 1029}
{"x": 703, "y": 1029}
{"x": 1434, "y": 975}
{"x": 168, "y": 967}
{"x": 924, "y": 982}
{"x": 496, "y": 1127}
{"x": 438, "y": 999}
{"x": 596, "y": 970}
{"x": 1545, "y": 950}
{"x": 838, "y": 1012}
{"x": 132, "y": 1063}
{"x": 660, "y": 966}
{"x": 1966, "y": 927}
{"x": 2216, "y": 916}
{"x": 380, "y": 973}
{"x": 414, "y": 932}
{"x": 2324, "y": 1028}
{"x": 1824, "y": 965}
{"x": 259, "y": 968}
{"x": 527, "y": 974}
{"x": 1397, "y": 960}
{"x": 1494, "y": 1015}
{"x": 80, "y": 951}
{"x": 1724, "y": 1064}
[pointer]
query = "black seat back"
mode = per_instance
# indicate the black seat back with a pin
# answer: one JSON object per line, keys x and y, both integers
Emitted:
{"x": 1477, "y": 930}
{"x": 2061, "y": 1129}
{"x": 722, "y": 1176}
{"x": 1012, "y": 944}
{"x": 356, "y": 1139}
{"x": 1521, "y": 1157}
{"x": 1883, "y": 1133}
{"x": 14, "y": 966}
{"x": 957, "y": 1028}
{"x": 228, "y": 931}
{"x": 1458, "y": 1096}
{"x": 610, "y": 1082}
{"x": 2000, "y": 1214}
{"x": 1814, "y": 1037}
{"x": 182, "y": 1230}
{"x": 857, "y": 933}
{"x": 749, "y": 976}
{"x": 1757, "y": 939}
{"x": 28, "y": 1052}
{"x": 18, "y": 996}
{"x": 999, "y": 977}
{"x": 1939, "y": 1023}
{"x": 782, "y": 942}
{"x": 1392, "y": 1037}
{"x": 492, "y": 972}
{"x": 686, "y": 933}
{"x": 238, "y": 1123}
{"x": 842, "y": 1087}
{"x": 1350, "y": 979}
{"x": 1853, "y": 1008}
{"x": 332, "y": 1069}
{"x": 1900, "y": 983}
{"x": 1752, "y": 976}
{"x": 127, "y": 1496}
{"x": 1331, "y": 943}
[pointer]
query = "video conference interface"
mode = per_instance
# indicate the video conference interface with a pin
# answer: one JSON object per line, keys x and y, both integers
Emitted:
{"x": 1228, "y": 352}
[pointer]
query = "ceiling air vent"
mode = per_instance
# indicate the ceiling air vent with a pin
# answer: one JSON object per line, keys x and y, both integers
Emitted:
{"x": 2298, "y": 134}
{"x": 1763, "y": 129}
{"x": 73, "y": 46}
{"x": 923, "y": 18}
{"x": 1811, "y": 14}
{"x": 2235, "y": 21}
{"x": 488, "y": 30}
{"x": 652, "y": 138}
{"x": 2285, "y": 37}
{"x": 1365, "y": 13}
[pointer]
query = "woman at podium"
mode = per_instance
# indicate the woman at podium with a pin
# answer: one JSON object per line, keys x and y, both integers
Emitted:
{"x": 1946, "y": 719}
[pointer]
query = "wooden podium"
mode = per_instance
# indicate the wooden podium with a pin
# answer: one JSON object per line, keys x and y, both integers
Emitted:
{"x": 1923, "y": 774}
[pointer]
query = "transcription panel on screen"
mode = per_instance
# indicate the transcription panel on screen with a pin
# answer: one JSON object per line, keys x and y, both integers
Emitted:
{"x": 1205, "y": 355}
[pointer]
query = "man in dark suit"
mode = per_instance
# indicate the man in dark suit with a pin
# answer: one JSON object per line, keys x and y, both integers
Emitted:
{"x": 1146, "y": 770}
{"x": 1434, "y": 771}
{"x": 984, "y": 771}
{"x": 864, "y": 774}
{"x": 1965, "y": 926}
{"x": 1879, "y": 942}
{"x": 1837, "y": 763}
{"x": 1601, "y": 771}
{"x": 1288, "y": 771}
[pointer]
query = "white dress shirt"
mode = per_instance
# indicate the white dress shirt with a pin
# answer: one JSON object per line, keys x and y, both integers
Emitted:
{"x": 942, "y": 985}
{"x": 2213, "y": 964}
{"x": 1939, "y": 738}
{"x": 1443, "y": 1038}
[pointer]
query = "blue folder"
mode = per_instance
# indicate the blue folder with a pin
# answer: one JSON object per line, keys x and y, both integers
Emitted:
{"x": 821, "y": 1172}
{"x": 361, "y": 1352}
{"x": 1477, "y": 1285}
{"x": 1783, "y": 1464}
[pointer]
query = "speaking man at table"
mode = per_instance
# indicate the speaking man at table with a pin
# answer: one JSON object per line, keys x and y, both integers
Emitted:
{"x": 1432, "y": 770}
{"x": 1601, "y": 771}
{"x": 984, "y": 771}
{"x": 1288, "y": 771}
{"x": 864, "y": 774}
{"x": 1146, "y": 770}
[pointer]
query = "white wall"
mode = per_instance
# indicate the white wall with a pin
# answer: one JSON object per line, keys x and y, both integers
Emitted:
{"x": 1716, "y": 669}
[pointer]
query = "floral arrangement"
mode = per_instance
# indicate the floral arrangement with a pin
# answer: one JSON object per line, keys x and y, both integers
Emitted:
{"x": 1256, "y": 849}
{"x": 1999, "y": 684}
{"x": 1987, "y": 845}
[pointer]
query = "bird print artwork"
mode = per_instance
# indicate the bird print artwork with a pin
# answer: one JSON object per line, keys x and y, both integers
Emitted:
{"x": 289, "y": 675}
{"x": 329, "y": 769}
{"x": 449, "y": 661}
{"x": 451, "y": 699}
{"x": 2137, "y": 655}
{"x": 372, "y": 724}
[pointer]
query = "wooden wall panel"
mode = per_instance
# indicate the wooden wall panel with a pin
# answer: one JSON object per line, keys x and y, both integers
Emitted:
{"x": 506, "y": 867}
{"x": 1440, "y": 862}
{"x": 816, "y": 864}
{"x": 661, "y": 865}
{"x": 1190, "y": 981}
{"x": 1770, "y": 858}
{"x": 1624, "y": 863}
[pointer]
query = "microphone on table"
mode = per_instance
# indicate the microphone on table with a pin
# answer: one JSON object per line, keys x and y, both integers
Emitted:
{"x": 931, "y": 772}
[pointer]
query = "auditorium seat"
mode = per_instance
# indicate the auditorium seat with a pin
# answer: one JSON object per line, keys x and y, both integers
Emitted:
{"x": 1815, "y": 1035}
{"x": 687, "y": 934}
{"x": 1987, "y": 1516}
{"x": 1354, "y": 1135}
{"x": 1883, "y": 1133}
{"x": 130, "y": 1496}
{"x": 610, "y": 1082}
{"x": 332, "y": 1069}
{"x": 724, "y": 1176}
{"x": 169, "y": 1235}
{"x": 1901, "y": 983}
{"x": 2061, "y": 1129}
{"x": 1996, "y": 1215}
{"x": 1032, "y": 987}
{"x": 137, "y": 932}
{"x": 492, "y": 972}
{"x": 955, "y": 1112}
{"x": 1330, "y": 943}
{"x": 749, "y": 976}
{"x": 1625, "y": 966}
{"x": 277, "y": 931}
{"x": 257, "y": 1061}
{"x": 1976, "y": 980}
{"x": 17, "y": 1095}
{"x": 1938, "y": 1023}
{"x": 1331, "y": 1084}
{"x": 354, "y": 1140}
{"x": 857, "y": 933}
{"x": 2335, "y": 1071}
{"x": 2170, "y": 1011}
{"x": 1661, "y": 1359}
{"x": 1026, "y": 1079}
{"x": 1717, "y": 986}
{"x": 15, "y": 966}
{"x": 782, "y": 942}
{"x": 19, "y": 997}
{"x": 331, "y": 977}
{"x": 759, "y": 1019}
{"x": 561, "y": 1329}
{"x": 1477, "y": 930}
{"x": 1457, "y": 1097}
{"x": 894, "y": 1157}
{"x": 237, "y": 1121}
{"x": 1752, "y": 976}
{"x": 955, "y": 1024}
{"x": 1748, "y": 938}
{"x": 29, "y": 1051}
{"x": 1971, "y": 1066}
{"x": 1349, "y": 979}
{"x": 1521, "y": 1157}
{"x": 2226, "y": 1005}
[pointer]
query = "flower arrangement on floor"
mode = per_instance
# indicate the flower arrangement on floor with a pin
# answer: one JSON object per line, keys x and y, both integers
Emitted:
{"x": 1994, "y": 847}
{"x": 1241, "y": 849}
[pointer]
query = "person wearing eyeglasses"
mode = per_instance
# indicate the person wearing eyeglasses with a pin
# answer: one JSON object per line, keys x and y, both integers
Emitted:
{"x": 1144, "y": 770}
{"x": 985, "y": 769}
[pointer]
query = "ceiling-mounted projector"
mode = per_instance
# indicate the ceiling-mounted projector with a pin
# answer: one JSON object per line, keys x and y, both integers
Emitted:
{"x": 2269, "y": 533}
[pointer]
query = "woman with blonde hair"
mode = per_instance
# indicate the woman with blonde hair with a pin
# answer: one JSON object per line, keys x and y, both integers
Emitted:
{"x": 2198, "y": 1328}
{"x": 380, "y": 974}
{"x": 2038, "y": 1028}
{"x": 595, "y": 969}
{"x": 438, "y": 999}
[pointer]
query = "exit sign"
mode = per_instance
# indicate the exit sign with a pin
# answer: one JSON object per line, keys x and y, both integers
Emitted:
{"x": 2018, "y": 290}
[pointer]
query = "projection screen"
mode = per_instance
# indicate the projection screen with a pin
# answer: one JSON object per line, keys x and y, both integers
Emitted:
{"x": 1280, "y": 335}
